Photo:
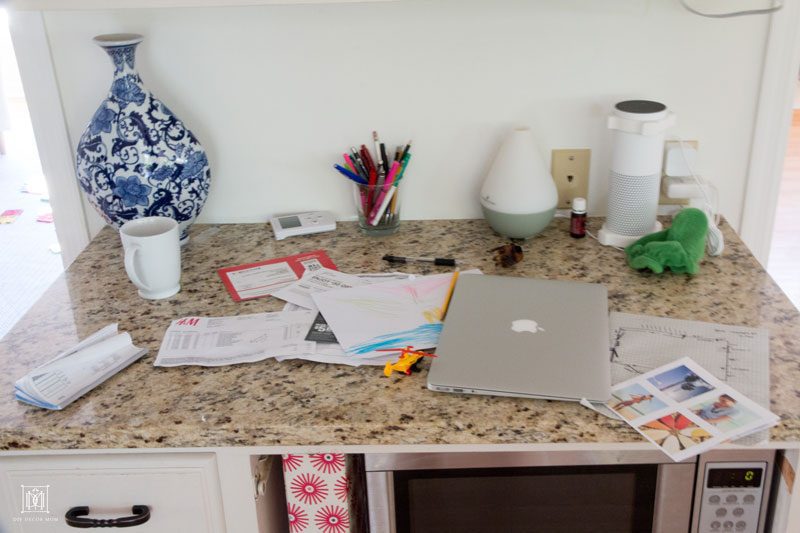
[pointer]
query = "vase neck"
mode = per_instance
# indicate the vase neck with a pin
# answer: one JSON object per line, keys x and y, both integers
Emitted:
{"x": 124, "y": 59}
{"x": 121, "y": 48}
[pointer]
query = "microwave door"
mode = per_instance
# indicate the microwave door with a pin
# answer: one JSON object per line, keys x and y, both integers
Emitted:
{"x": 438, "y": 493}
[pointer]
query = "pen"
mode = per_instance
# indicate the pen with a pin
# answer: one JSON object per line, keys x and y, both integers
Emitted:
{"x": 365, "y": 155}
{"x": 373, "y": 177}
{"x": 380, "y": 207}
{"x": 384, "y": 159}
{"x": 405, "y": 152}
{"x": 378, "y": 158}
{"x": 346, "y": 173}
{"x": 350, "y": 165}
{"x": 362, "y": 170}
{"x": 435, "y": 260}
{"x": 383, "y": 199}
{"x": 400, "y": 174}
{"x": 403, "y": 166}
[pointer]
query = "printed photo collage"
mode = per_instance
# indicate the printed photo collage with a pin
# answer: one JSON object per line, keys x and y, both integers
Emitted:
{"x": 685, "y": 410}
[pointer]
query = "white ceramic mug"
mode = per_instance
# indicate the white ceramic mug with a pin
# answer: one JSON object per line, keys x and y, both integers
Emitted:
{"x": 152, "y": 256}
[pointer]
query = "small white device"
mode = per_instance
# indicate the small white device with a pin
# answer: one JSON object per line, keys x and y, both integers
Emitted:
{"x": 302, "y": 224}
{"x": 732, "y": 496}
{"x": 638, "y": 127}
{"x": 679, "y": 160}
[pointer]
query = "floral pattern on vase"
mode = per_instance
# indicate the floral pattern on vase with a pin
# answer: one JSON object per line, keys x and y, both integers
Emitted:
{"x": 136, "y": 158}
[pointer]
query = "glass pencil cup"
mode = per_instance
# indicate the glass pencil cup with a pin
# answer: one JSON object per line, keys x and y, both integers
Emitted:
{"x": 378, "y": 208}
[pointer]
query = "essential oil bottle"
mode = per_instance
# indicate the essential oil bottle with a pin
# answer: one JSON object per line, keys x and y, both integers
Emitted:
{"x": 577, "y": 222}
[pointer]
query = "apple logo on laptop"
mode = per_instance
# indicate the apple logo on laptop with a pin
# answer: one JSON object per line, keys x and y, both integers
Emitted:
{"x": 525, "y": 324}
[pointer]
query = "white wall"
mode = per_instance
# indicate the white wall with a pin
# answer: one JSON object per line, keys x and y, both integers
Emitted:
{"x": 275, "y": 93}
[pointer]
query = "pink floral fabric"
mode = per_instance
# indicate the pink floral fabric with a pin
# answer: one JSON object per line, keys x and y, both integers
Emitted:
{"x": 317, "y": 491}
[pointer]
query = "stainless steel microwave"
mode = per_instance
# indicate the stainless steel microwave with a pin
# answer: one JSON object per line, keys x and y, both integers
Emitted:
{"x": 725, "y": 491}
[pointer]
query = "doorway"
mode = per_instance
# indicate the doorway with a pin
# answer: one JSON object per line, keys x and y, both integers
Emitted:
{"x": 784, "y": 254}
{"x": 30, "y": 256}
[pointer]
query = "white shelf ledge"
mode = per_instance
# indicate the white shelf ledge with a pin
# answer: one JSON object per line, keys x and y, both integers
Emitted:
{"x": 66, "y": 5}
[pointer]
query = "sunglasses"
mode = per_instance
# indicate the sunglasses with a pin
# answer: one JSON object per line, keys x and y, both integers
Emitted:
{"x": 507, "y": 255}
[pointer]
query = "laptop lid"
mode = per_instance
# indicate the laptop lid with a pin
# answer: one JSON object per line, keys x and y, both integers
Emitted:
{"x": 512, "y": 336}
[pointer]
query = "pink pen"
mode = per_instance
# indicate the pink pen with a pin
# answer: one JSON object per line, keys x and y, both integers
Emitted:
{"x": 350, "y": 166}
{"x": 376, "y": 209}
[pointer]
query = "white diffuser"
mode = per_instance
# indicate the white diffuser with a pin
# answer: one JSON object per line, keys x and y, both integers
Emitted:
{"x": 519, "y": 196}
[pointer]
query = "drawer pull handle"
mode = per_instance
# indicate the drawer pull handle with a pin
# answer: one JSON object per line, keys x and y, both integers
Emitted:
{"x": 139, "y": 515}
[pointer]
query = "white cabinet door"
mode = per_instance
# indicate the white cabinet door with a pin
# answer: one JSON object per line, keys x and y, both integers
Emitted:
{"x": 181, "y": 490}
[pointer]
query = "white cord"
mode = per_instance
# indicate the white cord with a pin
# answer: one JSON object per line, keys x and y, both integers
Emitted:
{"x": 715, "y": 242}
{"x": 746, "y": 12}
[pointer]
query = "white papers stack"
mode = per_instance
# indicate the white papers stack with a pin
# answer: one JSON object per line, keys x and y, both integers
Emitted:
{"x": 216, "y": 341}
{"x": 321, "y": 280}
{"x": 300, "y": 295}
{"x": 78, "y": 370}
{"x": 391, "y": 315}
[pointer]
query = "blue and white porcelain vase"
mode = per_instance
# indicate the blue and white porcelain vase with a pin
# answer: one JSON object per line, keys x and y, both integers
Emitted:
{"x": 137, "y": 158}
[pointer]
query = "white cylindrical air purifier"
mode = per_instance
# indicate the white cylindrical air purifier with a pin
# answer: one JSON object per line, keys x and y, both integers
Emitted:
{"x": 638, "y": 127}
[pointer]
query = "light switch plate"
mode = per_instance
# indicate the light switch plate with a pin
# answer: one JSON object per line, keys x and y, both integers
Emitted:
{"x": 570, "y": 170}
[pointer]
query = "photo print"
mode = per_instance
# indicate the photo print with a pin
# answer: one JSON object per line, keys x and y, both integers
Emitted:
{"x": 634, "y": 401}
{"x": 674, "y": 433}
{"x": 680, "y": 383}
{"x": 724, "y": 412}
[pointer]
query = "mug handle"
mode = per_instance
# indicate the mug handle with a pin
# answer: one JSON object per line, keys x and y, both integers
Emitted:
{"x": 130, "y": 253}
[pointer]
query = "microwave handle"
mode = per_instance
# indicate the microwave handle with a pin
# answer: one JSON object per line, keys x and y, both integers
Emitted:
{"x": 673, "y": 505}
{"x": 380, "y": 495}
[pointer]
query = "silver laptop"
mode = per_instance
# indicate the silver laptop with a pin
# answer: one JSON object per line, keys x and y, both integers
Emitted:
{"x": 509, "y": 336}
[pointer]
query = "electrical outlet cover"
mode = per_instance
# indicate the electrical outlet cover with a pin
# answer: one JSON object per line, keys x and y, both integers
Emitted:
{"x": 570, "y": 170}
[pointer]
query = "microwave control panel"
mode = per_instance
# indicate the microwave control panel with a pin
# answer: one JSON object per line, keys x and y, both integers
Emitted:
{"x": 732, "y": 495}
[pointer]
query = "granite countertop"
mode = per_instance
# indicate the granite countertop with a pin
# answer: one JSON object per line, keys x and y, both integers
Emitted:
{"x": 304, "y": 403}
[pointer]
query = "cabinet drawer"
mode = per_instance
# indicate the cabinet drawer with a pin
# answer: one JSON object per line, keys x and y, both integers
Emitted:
{"x": 182, "y": 491}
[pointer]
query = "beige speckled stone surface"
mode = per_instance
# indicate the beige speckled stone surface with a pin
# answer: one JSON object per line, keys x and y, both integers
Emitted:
{"x": 303, "y": 403}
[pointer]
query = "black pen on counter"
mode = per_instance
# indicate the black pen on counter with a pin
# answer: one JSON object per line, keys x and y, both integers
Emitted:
{"x": 435, "y": 260}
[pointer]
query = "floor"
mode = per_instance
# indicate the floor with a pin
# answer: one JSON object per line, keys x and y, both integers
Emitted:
{"x": 29, "y": 256}
{"x": 784, "y": 256}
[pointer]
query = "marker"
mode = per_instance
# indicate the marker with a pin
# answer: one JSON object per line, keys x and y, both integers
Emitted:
{"x": 346, "y": 173}
{"x": 405, "y": 152}
{"x": 384, "y": 197}
{"x": 378, "y": 158}
{"x": 351, "y": 165}
{"x": 380, "y": 207}
{"x": 372, "y": 173}
{"x": 435, "y": 260}
{"x": 384, "y": 158}
{"x": 362, "y": 169}
{"x": 403, "y": 166}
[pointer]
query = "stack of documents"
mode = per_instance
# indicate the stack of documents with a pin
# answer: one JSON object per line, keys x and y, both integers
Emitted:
{"x": 392, "y": 315}
{"x": 329, "y": 317}
{"x": 73, "y": 373}
{"x": 217, "y": 341}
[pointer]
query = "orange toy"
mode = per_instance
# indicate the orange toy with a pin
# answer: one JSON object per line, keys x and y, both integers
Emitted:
{"x": 408, "y": 358}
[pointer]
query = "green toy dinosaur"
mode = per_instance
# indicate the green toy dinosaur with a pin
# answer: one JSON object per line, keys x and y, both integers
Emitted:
{"x": 678, "y": 248}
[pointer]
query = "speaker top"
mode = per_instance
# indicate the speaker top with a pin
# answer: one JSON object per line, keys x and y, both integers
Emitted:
{"x": 640, "y": 107}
